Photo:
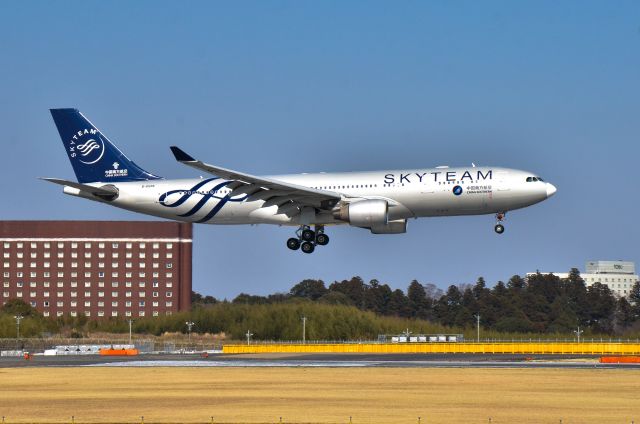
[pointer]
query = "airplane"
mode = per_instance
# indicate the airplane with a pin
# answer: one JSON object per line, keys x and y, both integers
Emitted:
{"x": 381, "y": 202}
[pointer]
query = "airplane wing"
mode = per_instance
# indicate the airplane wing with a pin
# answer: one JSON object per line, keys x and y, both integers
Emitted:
{"x": 289, "y": 198}
{"x": 105, "y": 192}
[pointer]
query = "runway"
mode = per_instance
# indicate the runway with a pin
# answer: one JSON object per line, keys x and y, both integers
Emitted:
{"x": 320, "y": 361}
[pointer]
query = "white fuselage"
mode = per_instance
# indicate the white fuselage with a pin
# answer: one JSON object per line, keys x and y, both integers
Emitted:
{"x": 410, "y": 193}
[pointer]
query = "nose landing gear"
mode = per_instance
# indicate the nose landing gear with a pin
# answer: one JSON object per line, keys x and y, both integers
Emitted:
{"x": 499, "y": 228}
{"x": 307, "y": 239}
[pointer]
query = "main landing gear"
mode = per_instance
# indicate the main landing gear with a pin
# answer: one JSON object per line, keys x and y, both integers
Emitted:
{"x": 307, "y": 239}
{"x": 499, "y": 228}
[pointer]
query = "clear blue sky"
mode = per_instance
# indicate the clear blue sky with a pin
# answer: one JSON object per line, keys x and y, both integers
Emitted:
{"x": 273, "y": 87}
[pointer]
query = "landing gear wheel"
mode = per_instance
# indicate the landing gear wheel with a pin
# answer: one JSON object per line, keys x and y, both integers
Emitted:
{"x": 293, "y": 243}
{"x": 499, "y": 228}
{"x": 308, "y": 235}
{"x": 308, "y": 247}
{"x": 322, "y": 239}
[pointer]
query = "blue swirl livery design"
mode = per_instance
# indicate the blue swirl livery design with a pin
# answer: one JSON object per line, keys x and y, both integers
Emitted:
{"x": 197, "y": 198}
{"x": 93, "y": 157}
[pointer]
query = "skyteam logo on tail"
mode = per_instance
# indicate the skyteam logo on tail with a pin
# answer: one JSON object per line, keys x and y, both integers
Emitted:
{"x": 86, "y": 146}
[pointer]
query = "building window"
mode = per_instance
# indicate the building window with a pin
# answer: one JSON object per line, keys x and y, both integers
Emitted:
{"x": 114, "y": 284}
{"x": 59, "y": 304}
{"x": 33, "y": 255}
{"x": 74, "y": 245}
{"x": 155, "y": 294}
{"x": 45, "y": 313}
{"x": 169, "y": 255}
{"x": 87, "y": 254}
{"x": 100, "y": 294}
{"x": 115, "y": 255}
{"x": 19, "y": 245}
{"x": 59, "y": 313}
{"x": 60, "y": 245}
{"x": 127, "y": 303}
{"x": 156, "y": 284}
{"x": 74, "y": 294}
{"x": 114, "y": 265}
{"x": 143, "y": 245}
{"x": 127, "y": 265}
{"x": 60, "y": 274}
{"x": 100, "y": 283}
{"x": 87, "y": 304}
{"x": 169, "y": 304}
{"x": 87, "y": 313}
{"x": 156, "y": 255}
{"x": 74, "y": 304}
{"x": 87, "y": 283}
{"x": 74, "y": 254}
{"x": 169, "y": 245}
{"x": 142, "y": 294}
{"x": 74, "y": 264}
{"x": 114, "y": 304}
{"x": 7, "y": 245}
{"x": 156, "y": 245}
{"x": 114, "y": 294}
{"x": 100, "y": 313}
{"x": 128, "y": 313}
{"x": 128, "y": 284}
{"x": 129, "y": 245}
{"x": 141, "y": 303}
{"x": 114, "y": 245}
{"x": 155, "y": 304}
{"x": 141, "y": 313}
{"x": 169, "y": 265}
{"x": 128, "y": 255}
{"x": 87, "y": 274}
{"x": 101, "y": 255}
{"x": 46, "y": 303}
{"x": 87, "y": 245}
{"x": 74, "y": 314}
{"x": 100, "y": 264}
{"x": 60, "y": 294}
{"x": 33, "y": 303}
{"x": 142, "y": 265}
{"x": 127, "y": 294}
{"x": 60, "y": 255}
{"x": 142, "y": 274}
{"x": 45, "y": 294}
{"x": 60, "y": 284}
{"x": 114, "y": 274}
{"x": 87, "y": 264}
{"x": 155, "y": 313}
{"x": 87, "y": 294}
{"x": 33, "y": 245}
{"x": 100, "y": 304}
{"x": 142, "y": 255}
{"x": 101, "y": 274}
{"x": 114, "y": 313}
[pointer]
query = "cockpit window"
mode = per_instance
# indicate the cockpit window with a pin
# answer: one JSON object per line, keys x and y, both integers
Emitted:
{"x": 529, "y": 179}
{"x": 540, "y": 179}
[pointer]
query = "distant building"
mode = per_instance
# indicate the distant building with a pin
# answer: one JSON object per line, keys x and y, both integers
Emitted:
{"x": 99, "y": 269}
{"x": 619, "y": 276}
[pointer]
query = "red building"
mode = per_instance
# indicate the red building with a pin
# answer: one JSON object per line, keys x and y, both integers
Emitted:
{"x": 99, "y": 269}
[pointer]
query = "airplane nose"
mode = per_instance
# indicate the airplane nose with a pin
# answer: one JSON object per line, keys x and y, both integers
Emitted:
{"x": 551, "y": 189}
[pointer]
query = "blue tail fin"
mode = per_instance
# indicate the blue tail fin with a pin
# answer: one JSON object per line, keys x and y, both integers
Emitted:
{"x": 93, "y": 157}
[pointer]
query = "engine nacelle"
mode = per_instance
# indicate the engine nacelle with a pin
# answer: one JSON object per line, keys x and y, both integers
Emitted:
{"x": 393, "y": 227}
{"x": 364, "y": 213}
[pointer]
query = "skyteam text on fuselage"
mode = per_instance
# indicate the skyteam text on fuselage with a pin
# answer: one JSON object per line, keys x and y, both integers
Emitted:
{"x": 381, "y": 202}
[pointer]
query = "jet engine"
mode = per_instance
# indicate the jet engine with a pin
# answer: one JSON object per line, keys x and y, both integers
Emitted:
{"x": 364, "y": 213}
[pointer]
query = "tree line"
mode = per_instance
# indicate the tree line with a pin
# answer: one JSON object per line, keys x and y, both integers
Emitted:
{"x": 541, "y": 303}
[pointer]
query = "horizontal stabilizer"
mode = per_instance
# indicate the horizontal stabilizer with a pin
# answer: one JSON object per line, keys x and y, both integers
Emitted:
{"x": 107, "y": 192}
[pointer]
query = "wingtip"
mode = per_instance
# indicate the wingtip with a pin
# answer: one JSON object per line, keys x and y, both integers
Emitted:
{"x": 181, "y": 155}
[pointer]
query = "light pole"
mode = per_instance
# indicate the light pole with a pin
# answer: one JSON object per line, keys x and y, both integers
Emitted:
{"x": 304, "y": 329}
{"x": 249, "y": 334}
{"x": 189, "y": 325}
{"x": 18, "y": 319}
{"x": 130, "y": 324}
{"x": 478, "y": 326}
{"x": 578, "y": 332}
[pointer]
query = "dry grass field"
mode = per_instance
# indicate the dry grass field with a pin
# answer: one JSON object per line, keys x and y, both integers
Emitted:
{"x": 319, "y": 395}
